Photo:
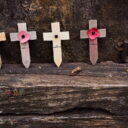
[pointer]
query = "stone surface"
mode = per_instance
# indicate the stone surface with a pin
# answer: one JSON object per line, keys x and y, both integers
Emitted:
{"x": 73, "y": 16}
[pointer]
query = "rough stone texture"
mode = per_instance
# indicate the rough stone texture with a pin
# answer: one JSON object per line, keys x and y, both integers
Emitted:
{"x": 74, "y": 16}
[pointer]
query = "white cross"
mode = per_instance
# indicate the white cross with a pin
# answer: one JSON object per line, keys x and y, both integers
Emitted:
{"x": 56, "y": 36}
{"x": 93, "y": 43}
{"x": 25, "y": 52}
{"x": 2, "y": 38}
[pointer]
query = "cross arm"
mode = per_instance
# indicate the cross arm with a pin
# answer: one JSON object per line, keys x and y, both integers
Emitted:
{"x": 64, "y": 36}
{"x": 48, "y": 36}
{"x": 2, "y": 36}
{"x": 33, "y": 35}
{"x": 13, "y": 37}
{"x": 83, "y": 34}
{"x": 102, "y": 33}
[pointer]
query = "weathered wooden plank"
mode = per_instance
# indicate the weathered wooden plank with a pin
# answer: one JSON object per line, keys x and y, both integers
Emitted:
{"x": 108, "y": 69}
{"x": 73, "y": 120}
{"x": 46, "y": 94}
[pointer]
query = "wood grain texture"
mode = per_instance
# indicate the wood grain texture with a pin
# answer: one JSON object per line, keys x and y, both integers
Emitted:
{"x": 47, "y": 94}
{"x": 83, "y": 119}
{"x": 96, "y": 98}
{"x": 107, "y": 69}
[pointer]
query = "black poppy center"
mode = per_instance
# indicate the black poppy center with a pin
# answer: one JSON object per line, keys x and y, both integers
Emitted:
{"x": 23, "y": 36}
{"x": 93, "y": 33}
{"x": 56, "y": 36}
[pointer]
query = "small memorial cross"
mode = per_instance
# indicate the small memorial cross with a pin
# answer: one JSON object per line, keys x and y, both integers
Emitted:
{"x": 2, "y": 38}
{"x": 56, "y": 36}
{"x": 23, "y": 36}
{"x": 93, "y": 34}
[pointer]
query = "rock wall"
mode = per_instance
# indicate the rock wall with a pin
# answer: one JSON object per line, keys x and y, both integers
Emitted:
{"x": 73, "y": 16}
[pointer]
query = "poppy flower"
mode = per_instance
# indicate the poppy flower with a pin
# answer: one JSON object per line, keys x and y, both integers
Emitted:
{"x": 8, "y": 92}
{"x": 93, "y": 33}
{"x": 23, "y": 37}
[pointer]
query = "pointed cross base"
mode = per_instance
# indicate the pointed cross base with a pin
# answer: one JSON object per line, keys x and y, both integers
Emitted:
{"x": 93, "y": 51}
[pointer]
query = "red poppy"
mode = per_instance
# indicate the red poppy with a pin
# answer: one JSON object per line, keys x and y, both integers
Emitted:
{"x": 93, "y": 33}
{"x": 23, "y": 37}
{"x": 8, "y": 92}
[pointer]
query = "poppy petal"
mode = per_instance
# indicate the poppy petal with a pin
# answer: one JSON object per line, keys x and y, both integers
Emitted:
{"x": 23, "y": 37}
{"x": 93, "y": 33}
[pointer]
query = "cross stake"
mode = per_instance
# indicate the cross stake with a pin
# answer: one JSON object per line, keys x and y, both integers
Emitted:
{"x": 56, "y": 36}
{"x": 23, "y": 37}
{"x": 2, "y": 38}
{"x": 93, "y": 33}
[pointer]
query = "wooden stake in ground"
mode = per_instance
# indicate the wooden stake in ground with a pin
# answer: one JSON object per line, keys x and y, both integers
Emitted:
{"x": 56, "y": 36}
{"x": 23, "y": 37}
{"x": 93, "y": 34}
{"x": 2, "y": 38}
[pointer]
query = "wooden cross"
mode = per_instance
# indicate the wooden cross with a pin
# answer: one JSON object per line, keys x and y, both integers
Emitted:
{"x": 24, "y": 46}
{"x": 56, "y": 36}
{"x": 93, "y": 43}
{"x": 2, "y": 38}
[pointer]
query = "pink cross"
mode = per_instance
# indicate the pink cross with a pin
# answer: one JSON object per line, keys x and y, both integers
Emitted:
{"x": 93, "y": 34}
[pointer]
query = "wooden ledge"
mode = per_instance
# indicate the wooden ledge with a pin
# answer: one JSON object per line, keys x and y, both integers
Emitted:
{"x": 88, "y": 120}
{"x": 48, "y": 94}
{"x": 107, "y": 69}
